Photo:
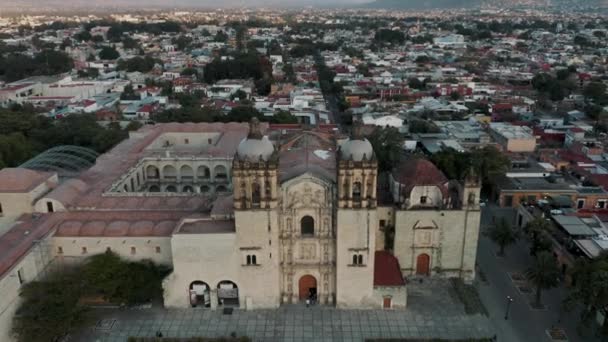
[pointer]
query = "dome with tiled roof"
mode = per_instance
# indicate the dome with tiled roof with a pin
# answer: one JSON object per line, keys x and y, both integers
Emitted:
{"x": 255, "y": 146}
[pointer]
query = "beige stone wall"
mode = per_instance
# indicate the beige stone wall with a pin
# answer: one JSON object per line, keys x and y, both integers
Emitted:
{"x": 356, "y": 230}
{"x": 15, "y": 204}
{"x": 30, "y": 268}
{"x": 210, "y": 258}
{"x": 449, "y": 237}
{"x": 397, "y": 294}
{"x": 71, "y": 248}
{"x": 257, "y": 233}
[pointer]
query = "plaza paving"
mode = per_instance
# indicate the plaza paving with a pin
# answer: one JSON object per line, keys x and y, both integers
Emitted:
{"x": 433, "y": 312}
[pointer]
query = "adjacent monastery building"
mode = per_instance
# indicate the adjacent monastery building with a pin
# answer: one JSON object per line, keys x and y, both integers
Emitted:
{"x": 250, "y": 216}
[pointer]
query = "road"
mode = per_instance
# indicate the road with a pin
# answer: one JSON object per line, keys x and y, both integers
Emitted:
{"x": 523, "y": 324}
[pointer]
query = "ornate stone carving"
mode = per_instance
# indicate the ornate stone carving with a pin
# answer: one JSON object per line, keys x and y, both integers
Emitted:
{"x": 308, "y": 251}
{"x": 306, "y": 199}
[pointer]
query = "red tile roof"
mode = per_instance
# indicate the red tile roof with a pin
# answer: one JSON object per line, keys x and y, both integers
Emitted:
{"x": 418, "y": 172}
{"x": 16, "y": 180}
{"x": 386, "y": 270}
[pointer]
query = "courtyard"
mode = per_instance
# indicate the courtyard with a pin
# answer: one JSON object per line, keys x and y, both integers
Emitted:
{"x": 434, "y": 311}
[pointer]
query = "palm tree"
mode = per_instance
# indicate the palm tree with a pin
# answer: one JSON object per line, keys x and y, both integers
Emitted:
{"x": 538, "y": 231}
{"x": 590, "y": 289}
{"x": 544, "y": 274}
{"x": 503, "y": 235}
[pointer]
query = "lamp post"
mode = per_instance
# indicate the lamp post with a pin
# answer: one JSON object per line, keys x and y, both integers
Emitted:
{"x": 509, "y": 301}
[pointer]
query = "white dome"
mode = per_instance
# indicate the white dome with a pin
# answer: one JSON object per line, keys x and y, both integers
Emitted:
{"x": 252, "y": 149}
{"x": 355, "y": 149}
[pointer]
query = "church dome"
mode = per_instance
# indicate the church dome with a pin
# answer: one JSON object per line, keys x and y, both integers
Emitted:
{"x": 254, "y": 149}
{"x": 356, "y": 149}
{"x": 256, "y": 146}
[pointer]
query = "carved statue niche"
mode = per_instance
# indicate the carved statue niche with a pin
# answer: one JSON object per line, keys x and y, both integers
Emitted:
{"x": 325, "y": 229}
{"x": 288, "y": 228}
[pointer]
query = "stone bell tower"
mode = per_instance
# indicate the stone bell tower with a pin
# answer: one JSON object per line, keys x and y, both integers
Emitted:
{"x": 256, "y": 219}
{"x": 356, "y": 221}
{"x": 357, "y": 172}
{"x": 255, "y": 171}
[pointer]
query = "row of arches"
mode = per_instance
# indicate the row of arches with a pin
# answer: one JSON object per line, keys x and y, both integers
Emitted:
{"x": 186, "y": 173}
{"x": 180, "y": 188}
{"x": 200, "y": 294}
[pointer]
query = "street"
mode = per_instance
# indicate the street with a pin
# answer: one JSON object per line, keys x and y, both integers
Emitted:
{"x": 523, "y": 323}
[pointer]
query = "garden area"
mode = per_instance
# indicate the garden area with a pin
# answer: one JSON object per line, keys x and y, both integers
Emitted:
{"x": 53, "y": 307}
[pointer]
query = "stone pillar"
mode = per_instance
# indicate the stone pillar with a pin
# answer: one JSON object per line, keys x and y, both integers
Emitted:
{"x": 213, "y": 296}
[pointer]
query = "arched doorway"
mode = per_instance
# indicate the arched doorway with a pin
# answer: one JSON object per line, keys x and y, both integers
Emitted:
{"x": 308, "y": 286}
{"x": 227, "y": 294}
{"x": 423, "y": 264}
{"x": 200, "y": 294}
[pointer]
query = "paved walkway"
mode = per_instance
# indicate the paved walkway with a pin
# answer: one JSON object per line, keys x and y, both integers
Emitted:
{"x": 524, "y": 323}
{"x": 433, "y": 312}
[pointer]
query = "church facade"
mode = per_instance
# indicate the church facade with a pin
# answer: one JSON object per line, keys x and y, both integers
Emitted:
{"x": 250, "y": 216}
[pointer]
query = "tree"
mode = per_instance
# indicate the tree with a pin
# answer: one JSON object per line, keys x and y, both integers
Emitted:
{"x": 416, "y": 83}
{"x": 388, "y": 147}
{"x": 239, "y": 94}
{"x": 284, "y": 117}
{"x": 538, "y": 230}
{"x": 83, "y": 36}
{"x": 108, "y": 53}
{"x": 595, "y": 91}
{"x": 182, "y": 42}
{"x": 422, "y": 126}
{"x": 128, "y": 93}
{"x": 243, "y": 114}
{"x": 544, "y": 274}
{"x": 503, "y": 235}
{"x": 489, "y": 162}
{"x": 389, "y": 36}
{"x": 590, "y": 290}
{"x": 123, "y": 282}
{"x": 455, "y": 96}
{"x": 50, "y": 309}
{"x": 221, "y": 37}
{"x": 129, "y": 43}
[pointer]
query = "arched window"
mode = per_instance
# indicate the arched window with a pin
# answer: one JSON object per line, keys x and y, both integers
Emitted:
{"x": 152, "y": 172}
{"x": 307, "y": 226}
{"x": 220, "y": 172}
{"x": 187, "y": 188}
{"x": 255, "y": 194}
{"x": 169, "y": 172}
{"x": 186, "y": 173}
{"x": 249, "y": 260}
{"x": 357, "y": 190}
{"x": 203, "y": 172}
{"x": 357, "y": 259}
{"x": 171, "y": 188}
{"x": 204, "y": 189}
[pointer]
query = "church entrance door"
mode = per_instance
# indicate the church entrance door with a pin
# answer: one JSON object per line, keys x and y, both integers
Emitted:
{"x": 308, "y": 286}
{"x": 422, "y": 264}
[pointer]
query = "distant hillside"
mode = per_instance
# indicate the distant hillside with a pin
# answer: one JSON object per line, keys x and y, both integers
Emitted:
{"x": 421, "y": 5}
{"x": 443, "y": 4}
